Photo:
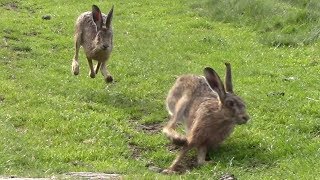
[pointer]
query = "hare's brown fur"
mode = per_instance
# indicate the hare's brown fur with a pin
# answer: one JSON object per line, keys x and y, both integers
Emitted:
{"x": 94, "y": 33}
{"x": 207, "y": 110}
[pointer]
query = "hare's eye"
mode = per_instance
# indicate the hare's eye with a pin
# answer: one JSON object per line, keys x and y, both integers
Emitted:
{"x": 230, "y": 103}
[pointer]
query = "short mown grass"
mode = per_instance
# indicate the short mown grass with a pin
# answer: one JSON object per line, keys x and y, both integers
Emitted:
{"x": 52, "y": 122}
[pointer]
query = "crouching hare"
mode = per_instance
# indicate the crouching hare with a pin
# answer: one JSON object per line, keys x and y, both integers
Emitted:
{"x": 94, "y": 33}
{"x": 207, "y": 108}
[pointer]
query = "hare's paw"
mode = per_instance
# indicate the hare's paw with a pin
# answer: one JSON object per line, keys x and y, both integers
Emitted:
{"x": 203, "y": 163}
{"x": 168, "y": 171}
{"x": 92, "y": 74}
{"x": 75, "y": 67}
{"x": 108, "y": 79}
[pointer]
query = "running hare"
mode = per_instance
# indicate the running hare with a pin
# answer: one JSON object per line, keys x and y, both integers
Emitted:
{"x": 94, "y": 34}
{"x": 207, "y": 108}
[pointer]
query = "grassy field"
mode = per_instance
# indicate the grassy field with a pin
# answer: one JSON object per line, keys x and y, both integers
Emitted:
{"x": 52, "y": 122}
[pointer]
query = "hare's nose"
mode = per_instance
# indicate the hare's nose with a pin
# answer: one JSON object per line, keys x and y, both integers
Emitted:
{"x": 245, "y": 117}
{"x": 105, "y": 46}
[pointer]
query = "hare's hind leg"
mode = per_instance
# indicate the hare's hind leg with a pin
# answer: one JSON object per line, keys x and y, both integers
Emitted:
{"x": 178, "y": 115}
{"x": 201, "y": 157}
{"x": 92, "y": 73}
{"x": 75, "y": 61}
{"x": 107, "y": 77}
{"x": 178, "y": 111}
{"x": 174, "y": 166}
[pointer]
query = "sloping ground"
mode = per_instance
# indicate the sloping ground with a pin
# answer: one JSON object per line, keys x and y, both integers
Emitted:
{"x": 280, "y": 23}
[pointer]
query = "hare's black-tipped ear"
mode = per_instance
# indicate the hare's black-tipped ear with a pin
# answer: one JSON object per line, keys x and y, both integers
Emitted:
{"x": 97, "y": 16}
{"x": 228, "y": 80}
{"x": 109, "y": 17}
{"x": 215, "y": 82}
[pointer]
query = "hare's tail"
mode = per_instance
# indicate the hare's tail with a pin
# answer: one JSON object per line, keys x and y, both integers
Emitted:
{"x": 174, "y": 136}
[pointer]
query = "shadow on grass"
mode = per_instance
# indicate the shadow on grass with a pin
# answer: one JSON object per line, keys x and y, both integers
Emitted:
{"x": 134, "y": 104}
{"x": 247, "y": 155}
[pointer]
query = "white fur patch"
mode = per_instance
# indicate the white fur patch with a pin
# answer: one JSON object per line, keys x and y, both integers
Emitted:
{"x": 169, "y": 111}
{"x": 210, "y": 87}
{"x": 208, "y": 83}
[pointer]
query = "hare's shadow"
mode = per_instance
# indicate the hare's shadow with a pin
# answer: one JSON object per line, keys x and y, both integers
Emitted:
{"x": 240, "y": 154}
{"x": 247, "y": 155}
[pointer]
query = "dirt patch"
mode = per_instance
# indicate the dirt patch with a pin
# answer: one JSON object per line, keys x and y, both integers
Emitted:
{"x": 151, "y": 128}
{"x": 12, "y": 6}
{"x": 32, "y": 33}
{"x": 9, "y": 37}
{"x": 173, "y": 147}
{"x": 2, "y": 98}
{"x": 188, "y": 163}
{"x": 80, "y": 164}
{"x": 15, "y": 6}
{"x": 315, "y": 132}
{"x": 22, "y": 48}
{"x": 136, "y": 150}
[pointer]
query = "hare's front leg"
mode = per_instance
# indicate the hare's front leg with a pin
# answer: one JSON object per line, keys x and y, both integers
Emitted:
{"x": 107, "y": 77}
{"x": 92, "y": 74}
{"x": 97, "y": 67}
{"x": 202, "y": 153}
{"x": 75, "y": 62}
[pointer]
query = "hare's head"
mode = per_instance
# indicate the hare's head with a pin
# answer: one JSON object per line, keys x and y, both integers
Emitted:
{"x": 233, "y": 106}
{"x": 103, "y": 39}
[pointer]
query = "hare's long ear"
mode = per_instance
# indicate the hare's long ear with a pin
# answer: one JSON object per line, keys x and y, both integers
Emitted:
{"x": 109, "y": 18}
{"x": 97, "y": 16}
{"x": 228, "y": 80}
{"x": 215, "y": 82}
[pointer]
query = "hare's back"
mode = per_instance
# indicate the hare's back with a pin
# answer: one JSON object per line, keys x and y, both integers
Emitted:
{"x": 191, "y": 89}
{"x": 185, "y": 85}
{"x": 192, "y": 86}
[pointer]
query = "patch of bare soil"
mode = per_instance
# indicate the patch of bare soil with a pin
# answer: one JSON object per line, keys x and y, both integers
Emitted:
{"x": 173, "y": 148}
{"x": 151, "y": 128}
{"x": 13, "y": 6}
{"x": 188, "y": 163}
{"x": 32, "y": 33}
{"x": 136, "y": 150}
{"x": 2, "y": 98}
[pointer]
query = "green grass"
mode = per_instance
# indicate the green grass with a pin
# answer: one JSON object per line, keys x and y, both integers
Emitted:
{"x": 280, "y": 22}
{"x": 52, "y": 122}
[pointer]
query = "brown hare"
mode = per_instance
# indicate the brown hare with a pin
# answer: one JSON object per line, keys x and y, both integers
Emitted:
{"x": 207, "y": 108}
{"x": 94, "y": 33}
